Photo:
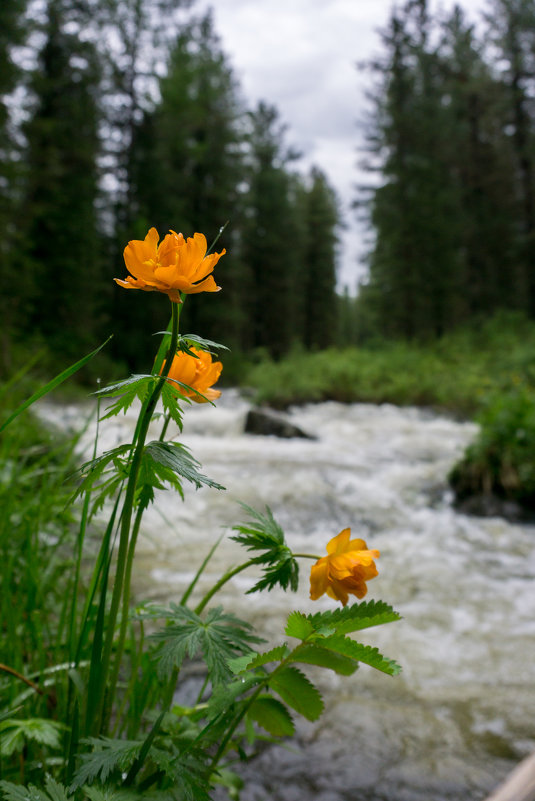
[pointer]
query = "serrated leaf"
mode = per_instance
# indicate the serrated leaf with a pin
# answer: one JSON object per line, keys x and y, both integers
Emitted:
{"x": 128, "y": 383}
{"x": 177, "y": 458}
{"x": 361, "y": 653}
{"x": 108, "y": 756}
{"x": 171, "y": 405}
{"x": 15, "y": 733}
{"x": 297, "y": 691}
{"x": 14, "y": 792}
{"x": 225, "y": 695}
{"x": 359, "y": 616}
{"x": 253, "y": 660}
{"x": 53, "y": 791}
{"x": 312, "y": 654}
{"x": 272, "y": 716}
{"x": 298, "y": 626}
{"x": 219, "y": 637}
{"x": 264, "y": 535}
{"x": 199, "y": 342}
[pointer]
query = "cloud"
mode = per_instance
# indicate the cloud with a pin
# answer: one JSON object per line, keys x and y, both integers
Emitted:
{"x": 301, "y": 55}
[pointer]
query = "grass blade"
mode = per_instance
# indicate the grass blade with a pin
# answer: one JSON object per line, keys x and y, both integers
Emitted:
{"x": 59, "y": 379}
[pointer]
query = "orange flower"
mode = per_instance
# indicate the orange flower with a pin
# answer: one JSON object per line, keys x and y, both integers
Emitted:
{"x": 345, "y": 571}
{"x": 175, "y": 265}
{"x": 198, "y": 373}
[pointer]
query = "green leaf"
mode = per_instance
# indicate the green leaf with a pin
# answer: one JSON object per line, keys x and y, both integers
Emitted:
{"x": 15, "y": 733}
{"x": 53, "y": 791}
{"x": 312, "y": 654}
{"x": 177, "y": 458}
{"x": 297, "y": 691}
{"x": 264, "y": 535}
{"x": 361, "y": 653}
{"x": 199, "y": 342}
{"x": 272, "y": 716}
{"x": 59, "y": 379}
{"x": 298, "y": 626}
{"x": 219, "y": 637}
{"x": 253, "y": 660}
{"x": 107, "y": 757}
{"x": 225, "y": 695}
{"x": 359, "y": 616}
{"x": 171, "y": 403}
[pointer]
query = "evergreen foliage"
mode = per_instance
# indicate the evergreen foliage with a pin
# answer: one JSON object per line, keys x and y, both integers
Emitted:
{"x": 133, "y": 118}
{"x": 452, "y": 136}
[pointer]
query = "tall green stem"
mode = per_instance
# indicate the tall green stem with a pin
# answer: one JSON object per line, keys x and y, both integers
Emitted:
{"x": 126, "y": 520}
{"x": 223, "y": 580}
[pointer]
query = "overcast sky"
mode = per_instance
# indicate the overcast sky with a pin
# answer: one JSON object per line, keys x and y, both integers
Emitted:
{"x": 301, "y": 55}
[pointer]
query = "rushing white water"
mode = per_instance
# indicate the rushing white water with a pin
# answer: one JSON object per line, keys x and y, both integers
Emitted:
{"x": 460, "y": 715}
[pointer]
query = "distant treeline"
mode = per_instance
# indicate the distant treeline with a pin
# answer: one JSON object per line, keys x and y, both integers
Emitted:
{"x": 452, "y": 144}
{"x": 119, "y": 115}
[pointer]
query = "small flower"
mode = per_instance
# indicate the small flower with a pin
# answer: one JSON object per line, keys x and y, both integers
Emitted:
{"x": 199, "y": 372}
{"x": 175, "y": 265}
{"x": 345, "y": 571}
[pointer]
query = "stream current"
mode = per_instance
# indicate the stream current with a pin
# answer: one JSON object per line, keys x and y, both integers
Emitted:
{"x": 462, "y": 712}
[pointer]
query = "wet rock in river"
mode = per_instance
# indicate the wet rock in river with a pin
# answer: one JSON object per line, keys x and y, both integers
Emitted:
{"x": 268, "y": 423}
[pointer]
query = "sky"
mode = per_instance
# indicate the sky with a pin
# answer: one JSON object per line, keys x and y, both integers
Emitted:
{"x": 301, "y": 56}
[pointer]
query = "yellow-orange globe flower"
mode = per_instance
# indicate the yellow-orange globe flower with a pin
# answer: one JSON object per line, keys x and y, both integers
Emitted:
{"x": 199, "y": 372}
{"x": 175, "y": 265}
{"x": 345, "y": 570}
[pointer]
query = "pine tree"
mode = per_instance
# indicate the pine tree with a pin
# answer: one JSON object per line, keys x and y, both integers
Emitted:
{"x": 187, "y": 167}
{"x": 271, "y": 249}
{"x": 60, "y": 233}
{"x": 12, "y": 32}
{"x": 512, "y": 27}
{"x": 322, "y": 219}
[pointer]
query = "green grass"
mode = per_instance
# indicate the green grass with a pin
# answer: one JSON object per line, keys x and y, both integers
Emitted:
{"x": 456, "y": 374}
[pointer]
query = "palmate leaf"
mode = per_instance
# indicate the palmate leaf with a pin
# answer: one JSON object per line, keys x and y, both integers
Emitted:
{"x": 264, "y": 536}
{"x": 219, "y": 637}
{"x": 359, "y": 616}
{"x": 361, "y": 653}
{"x": 107, "y": 757}
{"x": 96, "y": 468}
{"x": 134, "y": 388}
{"x": 297, "y": 691}
{"x": 177, "y": 458}
{"x": 52, "y": 792}
{"x": 14, "y": 734}
{"x": 272, "y": 716}
{"x": 187, "y": 340}
{"x": 189, "y": 774}
{"x": 170, "y": 400}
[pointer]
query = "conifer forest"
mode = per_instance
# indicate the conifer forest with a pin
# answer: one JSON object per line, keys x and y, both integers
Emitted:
{"x": 118, "y": 115}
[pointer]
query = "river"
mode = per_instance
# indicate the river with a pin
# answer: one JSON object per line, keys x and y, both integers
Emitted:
{"x": 462, "y": 712}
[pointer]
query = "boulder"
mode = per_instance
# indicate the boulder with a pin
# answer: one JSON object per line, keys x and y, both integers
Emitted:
{"x": 270, "y": 424}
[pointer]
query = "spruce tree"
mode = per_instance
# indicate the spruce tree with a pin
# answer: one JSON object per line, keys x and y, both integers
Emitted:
{"x": 61, "y": 243}
{"x": 270, "y": 247}
{"x": 322, "y": 218}
{"x": 187, "y": 167}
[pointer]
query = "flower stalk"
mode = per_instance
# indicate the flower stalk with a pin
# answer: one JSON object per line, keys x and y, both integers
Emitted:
{"x": 121, "y": 587}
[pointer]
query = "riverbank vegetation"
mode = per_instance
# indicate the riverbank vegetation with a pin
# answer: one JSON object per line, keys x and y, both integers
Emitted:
{"x": 88, "y": 681}
{"x": 484, "y": 372}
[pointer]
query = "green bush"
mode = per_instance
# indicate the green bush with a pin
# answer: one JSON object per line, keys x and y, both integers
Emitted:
{"x": 501, "y": 461}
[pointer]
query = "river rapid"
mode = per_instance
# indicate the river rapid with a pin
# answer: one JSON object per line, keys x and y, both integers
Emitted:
{"x": 462, "y": 712}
